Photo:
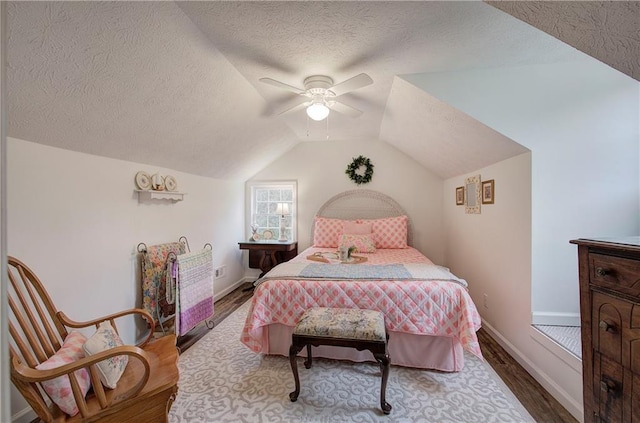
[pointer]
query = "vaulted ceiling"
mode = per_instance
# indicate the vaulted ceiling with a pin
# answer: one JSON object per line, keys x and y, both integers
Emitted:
{"x": 176, "y": 84}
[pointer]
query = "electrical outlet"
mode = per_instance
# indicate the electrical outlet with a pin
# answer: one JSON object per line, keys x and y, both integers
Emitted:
{"x": 219, "y": 271}
{"x": 486, "y": 301}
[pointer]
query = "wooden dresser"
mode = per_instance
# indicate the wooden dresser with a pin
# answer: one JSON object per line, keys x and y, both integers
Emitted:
{"x": 609, "y": 272}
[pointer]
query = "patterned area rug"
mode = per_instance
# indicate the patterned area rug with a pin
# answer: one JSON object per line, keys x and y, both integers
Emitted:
{"x": 221, "y": 380}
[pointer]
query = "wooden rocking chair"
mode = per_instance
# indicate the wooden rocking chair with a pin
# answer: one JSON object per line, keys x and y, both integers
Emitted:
{"x": 145, "y": 391}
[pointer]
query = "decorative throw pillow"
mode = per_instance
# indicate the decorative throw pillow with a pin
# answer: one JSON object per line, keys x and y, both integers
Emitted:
{"x": 363, "y": 243}
{"x": 351, "y": 227}
{"x": 111, "y": 369}
{"x": 390, "y": 232}
{"x": 59, "y": 389}
{"x": 326, "y": 232}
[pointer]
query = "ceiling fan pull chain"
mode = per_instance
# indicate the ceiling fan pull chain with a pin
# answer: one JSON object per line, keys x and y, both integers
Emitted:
{"x": 307, "y": 126}
{"x": 327, "y": 133}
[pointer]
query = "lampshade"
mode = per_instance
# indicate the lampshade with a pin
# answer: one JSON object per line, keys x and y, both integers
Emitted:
{"x": 282, "y": 209}
{"x": 318, "y": 111}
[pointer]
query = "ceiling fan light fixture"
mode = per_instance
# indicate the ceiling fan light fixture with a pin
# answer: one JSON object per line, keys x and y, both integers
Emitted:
{"x": 318, "y": 111}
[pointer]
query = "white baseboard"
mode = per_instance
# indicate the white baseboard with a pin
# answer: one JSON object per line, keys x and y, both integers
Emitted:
{"x": 25, "y": 415}
{"x": 555, "y": 319}
{"x": 573, "y": 407}
{"x": 231, "y": 288}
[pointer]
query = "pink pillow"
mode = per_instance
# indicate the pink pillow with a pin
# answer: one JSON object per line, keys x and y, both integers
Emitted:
{"x": 364, "y": 243}
{"x": 326, "y": 232}
{"x": 351, "y": 227}
{"x": 390, "y": 232}
{"x": 59, "y": 389}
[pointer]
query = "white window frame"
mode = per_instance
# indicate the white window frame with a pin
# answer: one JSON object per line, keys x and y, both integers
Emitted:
{"x": 273, "y": 220}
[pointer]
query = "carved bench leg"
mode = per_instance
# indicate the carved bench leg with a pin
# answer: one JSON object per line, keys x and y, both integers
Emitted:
{"x": 309, "y": 362}
{"x": 293, "y": 352}
{"x": 383, "y": 359}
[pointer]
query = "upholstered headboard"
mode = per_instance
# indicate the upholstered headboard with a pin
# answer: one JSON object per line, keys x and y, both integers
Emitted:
{"x": 363, "y": 204}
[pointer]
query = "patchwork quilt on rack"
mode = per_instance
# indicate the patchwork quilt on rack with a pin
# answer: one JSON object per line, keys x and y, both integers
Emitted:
{"x": 155, "y": 266}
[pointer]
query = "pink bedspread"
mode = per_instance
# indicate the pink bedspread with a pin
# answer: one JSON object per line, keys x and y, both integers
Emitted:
{"x": 439, "y": 308}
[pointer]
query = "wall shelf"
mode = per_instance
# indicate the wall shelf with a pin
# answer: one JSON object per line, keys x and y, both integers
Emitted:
{"x": 147, "y": 195}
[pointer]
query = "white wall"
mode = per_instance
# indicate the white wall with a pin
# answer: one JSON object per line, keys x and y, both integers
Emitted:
{"x": 4, "y": 360}
{"x": 75, "y": 220}
{"x": 492, "y": 251}
{"x": 319, "y": 169}
{"x": 581, "y": 122}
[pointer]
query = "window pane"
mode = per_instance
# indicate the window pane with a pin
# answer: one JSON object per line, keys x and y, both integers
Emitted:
{"x": 274, "y": 195}
{"x": 262, "y": 209}
{"x": 261, "y": 220}
{"x": 274, "y": 221}
{"x": 262, "y": 194}
{"x": 265, "y": 198}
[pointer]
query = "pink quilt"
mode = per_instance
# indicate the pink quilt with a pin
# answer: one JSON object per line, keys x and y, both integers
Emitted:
{"x": 423, "y": 307}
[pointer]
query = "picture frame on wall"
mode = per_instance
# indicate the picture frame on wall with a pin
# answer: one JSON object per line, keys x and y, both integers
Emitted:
{"x": 460, "y": 196}
{"x": 488, "y": 191}
{"x": 473, "y": 194}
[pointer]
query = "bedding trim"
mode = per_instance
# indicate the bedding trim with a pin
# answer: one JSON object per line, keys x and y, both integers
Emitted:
{"x": 339, "y": 272}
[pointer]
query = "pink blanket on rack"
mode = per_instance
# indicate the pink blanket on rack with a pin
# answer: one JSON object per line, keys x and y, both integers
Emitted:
{"x": 194, "y": 290}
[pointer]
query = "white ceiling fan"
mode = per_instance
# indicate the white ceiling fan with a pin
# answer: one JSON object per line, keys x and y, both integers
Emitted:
{"x": 319, "y": 93}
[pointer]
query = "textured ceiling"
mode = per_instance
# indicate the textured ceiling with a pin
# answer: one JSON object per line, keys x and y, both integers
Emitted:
{"x": 439, "y": 136}
{"x": 175, "y": 84}
{"x": 134, "y": 81}
{"x": 606, "y": 30}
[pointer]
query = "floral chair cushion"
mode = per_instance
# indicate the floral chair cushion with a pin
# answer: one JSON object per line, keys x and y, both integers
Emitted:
{"x": 111, "y": 369}
{"x": 345, "y": 323}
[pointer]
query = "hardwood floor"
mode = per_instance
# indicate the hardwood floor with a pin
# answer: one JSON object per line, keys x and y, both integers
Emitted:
{"x": 538, "y": 402}
{"x": 223, "y": 307}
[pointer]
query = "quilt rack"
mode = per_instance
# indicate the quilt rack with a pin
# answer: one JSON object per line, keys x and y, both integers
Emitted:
{"x": 177, "y": 285}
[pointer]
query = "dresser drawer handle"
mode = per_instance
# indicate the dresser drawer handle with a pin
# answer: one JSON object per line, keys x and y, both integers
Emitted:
{"x": 607, "y": 386}
{"x": 601, "y": 272}
{"x": 606, "y": 326}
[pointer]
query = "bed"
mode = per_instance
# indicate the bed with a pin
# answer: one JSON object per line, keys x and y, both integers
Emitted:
{"x": 429, "y": 314}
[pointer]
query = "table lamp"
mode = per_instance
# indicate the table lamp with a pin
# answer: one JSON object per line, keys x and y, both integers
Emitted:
{"x": 282, "y": 209}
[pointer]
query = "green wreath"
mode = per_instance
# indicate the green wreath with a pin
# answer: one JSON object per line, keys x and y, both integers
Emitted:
{"x": 355, "y": 166}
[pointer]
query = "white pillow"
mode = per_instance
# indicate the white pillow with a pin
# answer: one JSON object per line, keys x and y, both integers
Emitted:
{"x": 111, "y": 369}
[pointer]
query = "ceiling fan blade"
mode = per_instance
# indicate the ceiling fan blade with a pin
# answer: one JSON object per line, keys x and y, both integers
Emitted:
{"x": 344, "y": 109}
{"x": 351, "y": 84}
{"x": 296, "y": 104}
{"x": 279, "y": 84}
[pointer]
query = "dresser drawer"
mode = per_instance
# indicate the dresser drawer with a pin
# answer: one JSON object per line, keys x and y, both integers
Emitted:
{"x": 608, "y": 390}
{"x": 617, "y": 273}
{"x": 607, "y": 325}
{"x": 615, "y": 329}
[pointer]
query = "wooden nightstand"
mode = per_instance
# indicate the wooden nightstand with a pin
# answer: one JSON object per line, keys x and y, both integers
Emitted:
{"x": 265, "y": 255}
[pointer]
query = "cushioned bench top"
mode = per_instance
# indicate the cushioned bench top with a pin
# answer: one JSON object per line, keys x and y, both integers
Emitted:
{"x": 344, "y": 323}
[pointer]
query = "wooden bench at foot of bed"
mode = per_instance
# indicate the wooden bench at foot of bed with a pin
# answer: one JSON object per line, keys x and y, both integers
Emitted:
{"x": 352, "y": 328}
